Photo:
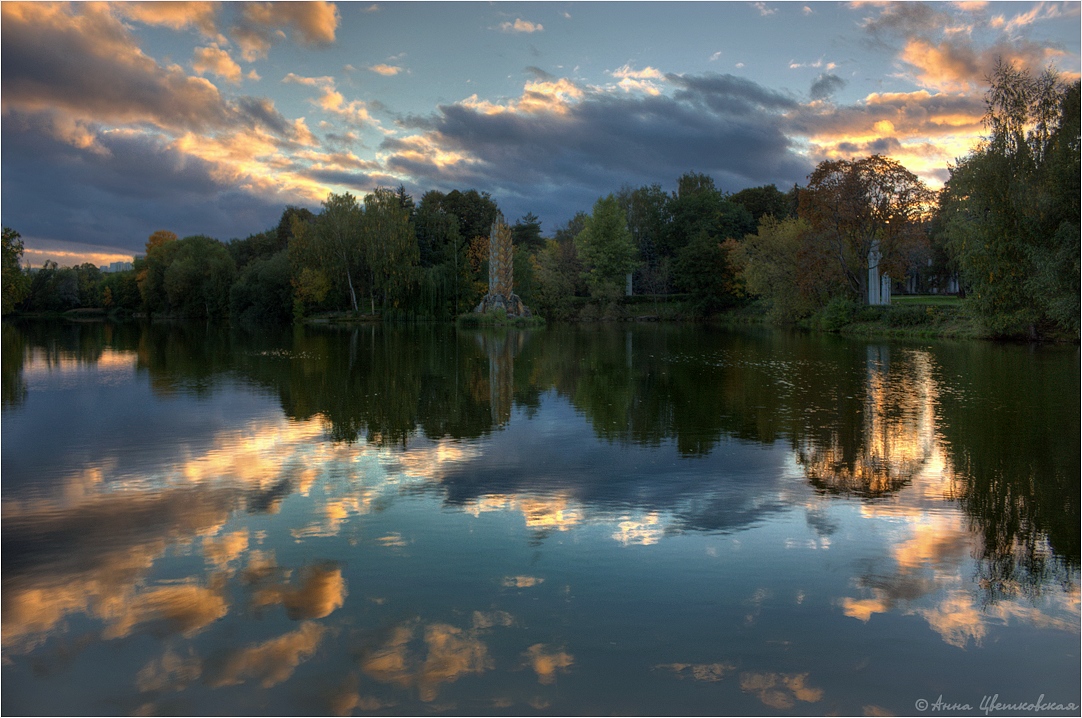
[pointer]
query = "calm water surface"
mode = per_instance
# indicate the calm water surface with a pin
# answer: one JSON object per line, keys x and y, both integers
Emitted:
{"x": 612, "y": 520}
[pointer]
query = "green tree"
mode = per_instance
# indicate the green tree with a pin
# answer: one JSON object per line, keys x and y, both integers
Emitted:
{"x": 784, "y": 265}
{"x": 526, "y": 232}
{"x": 263, "y": 292}
{"x": 1010, "y": 209}
{"x": 333, "y": 242}
{"x": 605, "y": 247}
{"x": 198, "y": 280}
{"x": 160, "y": 249}
{"x": 764, "y": 201}
{"x": 390, "y": 247}
{"x": 15, "y": 281}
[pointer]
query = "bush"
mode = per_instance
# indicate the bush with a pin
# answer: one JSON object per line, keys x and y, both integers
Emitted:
{"x": 838, "y": 313}
{"x": 909, "y": 316}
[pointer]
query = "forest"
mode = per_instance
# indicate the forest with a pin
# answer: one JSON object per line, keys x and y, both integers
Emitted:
{"x": 1003, "y": 232}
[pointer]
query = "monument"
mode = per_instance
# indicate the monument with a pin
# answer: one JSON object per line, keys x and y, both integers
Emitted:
{"x": 501, "y": 275}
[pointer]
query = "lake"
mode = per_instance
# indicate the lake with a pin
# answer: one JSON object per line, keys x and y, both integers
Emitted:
{"x": 617, "y": 519}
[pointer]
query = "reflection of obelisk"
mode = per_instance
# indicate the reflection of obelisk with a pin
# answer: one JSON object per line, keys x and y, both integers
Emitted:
{"x": 501, "y": 350}
{"x": 501, "y": 274}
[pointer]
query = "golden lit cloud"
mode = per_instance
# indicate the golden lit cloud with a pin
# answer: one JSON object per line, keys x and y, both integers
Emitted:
{"x": 261, "y": 23}
{"x": 173, "y": 15}
{"x": 185, "y": 608}
{"x": 216, "y": 61}
{"x": 780, "y": 690}
{"x": 520, "y": 25}
{"x": 223, "y": 550}
{"x": 385, "y": 70}
{"x": 546, "y": 662}
{"x": 450, "y": 654}
{"x": 320, "y": 591}
{"x": 270, "y": 662}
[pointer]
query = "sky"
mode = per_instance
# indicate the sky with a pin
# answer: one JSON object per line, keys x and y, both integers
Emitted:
{"x": 120, "y": 119}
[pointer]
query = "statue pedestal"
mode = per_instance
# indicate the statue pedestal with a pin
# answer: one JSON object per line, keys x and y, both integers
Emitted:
{"x": 512, "y": 306}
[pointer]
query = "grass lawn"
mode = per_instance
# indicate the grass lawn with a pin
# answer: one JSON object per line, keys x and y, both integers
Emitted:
{"x": 936, "y": 300}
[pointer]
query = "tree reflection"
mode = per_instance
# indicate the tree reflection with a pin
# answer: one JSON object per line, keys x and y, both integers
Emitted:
{"x": 995, "y": 428}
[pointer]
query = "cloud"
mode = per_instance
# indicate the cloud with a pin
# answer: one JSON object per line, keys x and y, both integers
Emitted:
{"x": 320, "y": 590}
{"x": 386, "y": 70}
{"x": 562, "y": 144}
{"x": 520, "y": 25}
{"x": 639, "y": 80}
{"x": 78, "y": 67}
{"x": 174, "y": 15}
{"x": 764, "y": 10}
{"x": 780, "y": 691}
{"x": 216, "y": 61}
{"x": 546, "y": 662}
{"x": 261, "y": 24}
{"x": 937, "y": 50}
{"x": 450, "y": 654}
{"x": 825, "y": 86}
{"x": 270, "y": 662}
{"x": 330, "y": 100}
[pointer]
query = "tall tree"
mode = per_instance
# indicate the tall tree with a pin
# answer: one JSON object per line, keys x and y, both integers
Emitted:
{"x": 526, "y": 232}
{"x": 389, "y": 245}
{"x": 605, "y": 248}
{"x": 335, "y": 238}
{"x": 15, "y": 281}
{"x": 1010, "y": 209}
{"x": 150, "y": 270}
{"x": 763, "y": 201}
{"x": 851, "y": 204}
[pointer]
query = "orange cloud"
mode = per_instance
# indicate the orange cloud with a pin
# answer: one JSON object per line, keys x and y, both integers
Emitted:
{"x": 216, "y": 61}
{"x": 174, "y": 15}
{"x": 451, "y": 653}
{"x": 545, "y": 662}
{"x": 273, "y": 661}
{"x": 780, "y": 691}
{"x": 520, "y": 25}
{"x": 320, "y": 592}
{"x": 385, "y": 70}
{"x": 261, "y": 23}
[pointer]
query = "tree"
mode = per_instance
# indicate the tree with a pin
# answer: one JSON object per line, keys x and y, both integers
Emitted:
{"x": 334, "y": 239}
{"x": 605, "y": 247}
{"x": 851, "y": 204}
{"x": 1010, "y": 210}
{"x": 198, "y": 280}
{"x": 160, "y": 249}
{"x": 389, "y": 246}
{"x": 764, "y": 201}
{"x": 783, "y": 264}
{"x": 526, "y": 232}
{"x": 15, "y": 281}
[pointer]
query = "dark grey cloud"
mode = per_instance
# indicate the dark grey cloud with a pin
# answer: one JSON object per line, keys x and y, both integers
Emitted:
{"x": 825, "y": 86}
{"x": 905, "y": 18}
{"x": 87, "y": 66}
{"x": 728, "y": 127}
{"x": 540, "y": 74}
{"x": 118, "y": 196}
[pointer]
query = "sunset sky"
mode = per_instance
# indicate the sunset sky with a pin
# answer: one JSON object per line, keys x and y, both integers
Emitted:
{"x": 209, "y": 118}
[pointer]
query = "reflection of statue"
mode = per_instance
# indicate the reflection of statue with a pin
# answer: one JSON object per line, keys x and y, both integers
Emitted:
{"x": 501, "y": 349}
{"x": 501, "y": 275}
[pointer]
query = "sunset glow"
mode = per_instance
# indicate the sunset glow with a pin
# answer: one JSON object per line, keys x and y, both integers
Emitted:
{"x": 210, "y": 118}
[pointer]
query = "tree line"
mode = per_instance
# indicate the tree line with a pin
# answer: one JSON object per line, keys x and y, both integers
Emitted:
{"x": 1004, "y": 229}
